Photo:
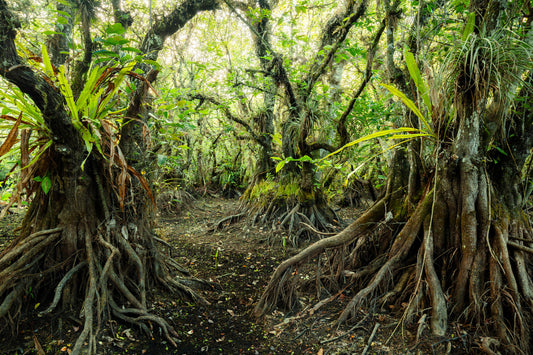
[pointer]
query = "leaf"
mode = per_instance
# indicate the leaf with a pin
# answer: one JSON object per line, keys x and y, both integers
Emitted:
{"x": 62, "y": 20}
{"x": 410, "y": 135}
{"x": 69, "y": 97}
{"x": 46, "y": 184}
{"x": 143, "y": 182}
{"x": 469, "y": 27}
{"x": 115, "y": 28}
{"x": 48, "y": 67}
{"x": 410, "y": 104}
{"x": 131, "y": 49}
{"x": 49, "y": 33}
{"x": 280, "y": 166}
{"x": 500, "y": 150}
{"x": 11, "y": 138}
{"x": 372, "y": 136}
{"x": 116, "y": 40}
{"x": 105, "y": 53}
{"x": 153, "y": 63}
{"x": 417, "y": 78}
{"x": 41, "y": 151}
{"x": 372, "y": 157}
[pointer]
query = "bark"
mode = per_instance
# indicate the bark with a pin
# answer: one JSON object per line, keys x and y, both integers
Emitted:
{"x": 121, "y": 16}
{"x": 81, "y": 67}
{"x": 57, "y": 43}
{"x": 461, "y": 251}
{"x": 84, "y": 238}
{"x": 265, "y": 121}
{"x": 152, "y": 44}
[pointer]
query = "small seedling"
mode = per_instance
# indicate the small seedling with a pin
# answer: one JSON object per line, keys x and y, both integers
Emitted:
{"x": 216, "y": 257}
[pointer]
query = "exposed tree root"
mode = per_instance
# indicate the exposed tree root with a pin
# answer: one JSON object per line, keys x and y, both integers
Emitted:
{"x": 271, "y": 295}
{"x": 297, "y": 219}
{"x": 416, "y": 265}
{"x": 100, "y": 270}
{"x": 226, "y": 221}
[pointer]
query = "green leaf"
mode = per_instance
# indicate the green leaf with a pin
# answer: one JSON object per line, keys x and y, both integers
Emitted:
{"x": 374, "y": 136}
{"x": 69, "y": 97}
{"x": 280, "y": 166}
{"x": 131, "y": 49}
{"x": 300, "y": 8}
{"x": 115, "y": 28}
{"x": 417, "y": 78}
{"x": 49, "y": 33}
{"x": 61, "y": 20}
{"x": 64, "y": 13}
{"x": 43, "y": 149}
{"x": 46, "y": 184}
{"x": 411, "y": 105}
{"x": 152, "y": 62}
{"x": 469, "y": 27}
{"x": 500, "y": 150}
{"x": 105, "y": 53}
{"x": 116, "y": 40}
{"x": 276, "y": 138}
{"x": 48, "y": 68}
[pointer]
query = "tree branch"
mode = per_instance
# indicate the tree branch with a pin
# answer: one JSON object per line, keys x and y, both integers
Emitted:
{"x": 341, "y": 125}
{"x": 231, "y": 116}
{"x": 334, "y": 34}
{"x": 168, "y": 25}
{"x": 45, "y": 97}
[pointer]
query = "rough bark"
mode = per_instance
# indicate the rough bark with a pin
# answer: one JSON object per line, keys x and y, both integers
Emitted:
{"x": 83, "y": 239}
{"x": 468, "y": 233}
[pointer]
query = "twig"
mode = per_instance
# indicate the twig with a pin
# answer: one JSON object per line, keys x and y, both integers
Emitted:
{"x": 357, "y": 326}
{"x": 370, "y": 339}
{"x": 38, "y": 346}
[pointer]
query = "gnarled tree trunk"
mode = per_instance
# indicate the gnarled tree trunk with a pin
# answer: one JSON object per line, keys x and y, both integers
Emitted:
{"x": 89, "y": 237}
{"x": 465, "y": 248}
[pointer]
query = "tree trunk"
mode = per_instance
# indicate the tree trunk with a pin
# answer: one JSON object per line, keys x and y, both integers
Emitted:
{"x": 89, "y": 237}
{"x": 467, "y": 232}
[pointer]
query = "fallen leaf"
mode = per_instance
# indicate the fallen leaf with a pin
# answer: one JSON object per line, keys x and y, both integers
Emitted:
{"x": 320, "y": 352}
{"x": 231, "y": 312}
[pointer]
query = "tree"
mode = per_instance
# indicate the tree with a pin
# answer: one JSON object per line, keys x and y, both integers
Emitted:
{"x": 83, "y": 235}
{"x": 464, "y": 246}
{"x": 295, "y": 198}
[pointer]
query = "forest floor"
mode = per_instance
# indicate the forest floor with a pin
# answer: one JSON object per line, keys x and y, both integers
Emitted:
{"x": 240, "y": 258}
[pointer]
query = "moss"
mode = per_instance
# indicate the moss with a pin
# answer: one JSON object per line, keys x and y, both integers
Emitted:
{"x": 258, "y": 191}
{"x": 288, "y": 190}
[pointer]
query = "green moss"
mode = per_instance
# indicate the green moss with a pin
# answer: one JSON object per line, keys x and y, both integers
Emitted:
{"x": 258, "y": 191}
{"x": 291, "y": 189}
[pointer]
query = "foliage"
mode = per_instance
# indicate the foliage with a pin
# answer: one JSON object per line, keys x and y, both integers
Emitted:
{"x": 96, "y": 114}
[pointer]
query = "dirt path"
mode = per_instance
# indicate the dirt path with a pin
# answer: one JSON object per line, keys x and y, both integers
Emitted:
{"x": 240, "y": 259}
